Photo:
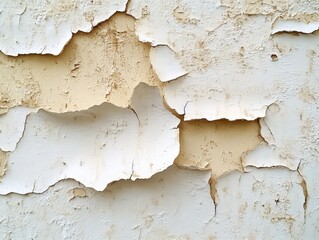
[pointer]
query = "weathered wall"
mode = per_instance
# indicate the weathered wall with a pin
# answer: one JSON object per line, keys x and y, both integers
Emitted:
{"x": 159, "y": 120}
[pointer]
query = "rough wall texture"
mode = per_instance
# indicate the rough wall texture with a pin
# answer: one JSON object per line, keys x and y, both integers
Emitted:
{"x": 159, "y": 119}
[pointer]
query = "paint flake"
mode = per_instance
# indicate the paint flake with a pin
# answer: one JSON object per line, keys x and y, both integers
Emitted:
{"x": 96, "y": 147}
{"x": 165, "y": 63}
{"x": 291, "y": 25}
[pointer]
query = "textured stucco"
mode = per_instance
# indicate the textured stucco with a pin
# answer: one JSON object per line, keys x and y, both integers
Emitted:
{"x": 159, "y": 119}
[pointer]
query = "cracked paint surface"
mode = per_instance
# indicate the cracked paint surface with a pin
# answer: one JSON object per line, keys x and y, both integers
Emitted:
{"x": 174, "y": 204}
{"x": 273, "y": 198}
{"x": 241, "y": 78}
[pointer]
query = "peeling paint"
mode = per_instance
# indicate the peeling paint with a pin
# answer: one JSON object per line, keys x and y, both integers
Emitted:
{"x": 241, "y": 78}
{"x": 103, "y": 66}
{"x": 96, "y": 146}
{"x": 218, "y": 70}
{"x": 47, "y": 26}
{"x": 294, "y": 142}
{"x": 280, "y": 26}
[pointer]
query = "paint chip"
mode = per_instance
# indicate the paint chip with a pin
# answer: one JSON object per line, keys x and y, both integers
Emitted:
{"x": 165, "y": 63}
{"x": 291, "y": 25}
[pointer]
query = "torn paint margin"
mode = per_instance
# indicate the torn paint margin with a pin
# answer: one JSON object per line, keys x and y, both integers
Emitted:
{"x": 199, "y": 110}
{"x": 263, "y": 156}
{"x": 290, "y": 25}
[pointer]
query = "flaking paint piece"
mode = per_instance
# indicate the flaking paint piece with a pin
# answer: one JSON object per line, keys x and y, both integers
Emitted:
{"x": 12, "y": 127}
{"x": 44, "y": 27}
{"x": 165, "y": 63}
{"x": 262, "y": 156}
{"x": 158, "y": 137}
{"x": 292, "y": 25}
{"x": 95, "y": 147}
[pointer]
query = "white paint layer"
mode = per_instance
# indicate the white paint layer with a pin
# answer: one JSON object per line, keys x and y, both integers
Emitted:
{"x": 165, "y": 64}
{"x": 291, "y": 25}
{"x": 157, "y": 208}
{"x": 157, "y": 142}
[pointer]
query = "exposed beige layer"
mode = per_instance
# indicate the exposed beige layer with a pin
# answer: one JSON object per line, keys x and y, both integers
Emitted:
{"x": 79, "y": 192}
{"x": 103, "y": 66}
{"x": 3, "y": 163}
{"x": 216, "y": 145}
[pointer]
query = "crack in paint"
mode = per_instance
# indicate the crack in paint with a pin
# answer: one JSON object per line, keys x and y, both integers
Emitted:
{"x": 303, "y": 184}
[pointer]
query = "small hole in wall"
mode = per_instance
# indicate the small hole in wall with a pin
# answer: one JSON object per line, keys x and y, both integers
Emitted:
{"x": 274, "y": 57}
